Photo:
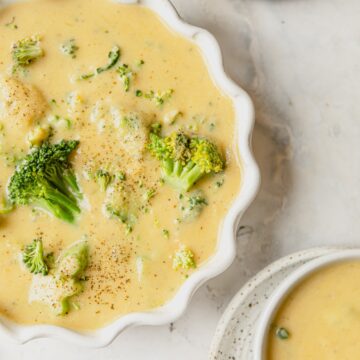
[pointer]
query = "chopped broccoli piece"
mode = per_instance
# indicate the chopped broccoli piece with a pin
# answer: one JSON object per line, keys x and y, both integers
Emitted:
{"x": 121, "y": 176}
{"x": 58, "y": 287}
{"x": 159, "y": 98}
{"x": 45, "y": 179}
{"x": 113, "y": 56}
{"x": 184, "y": 259}
{"x": 54, "y": 292}
{"x": 73, "y": 261}
{"x": 26, "y": 51}
{"x": 69, "y": 48}
{"x": 59, "y": 122}
{"x": 126, "y": 74}
{"x": 123, "y": 203}
{"x": 219, "y": 183}
{"x": 172, "y": 116}
{"x": 192, "y": 205}
{"x": 149, "y": 194}
{"x": 104, "y": 179}
{"x": 11, "y": 24}
{"x": 33, "y": 258}
{"x": 122, "y": 215}
{"x": 185, "y": 159}
{"x": 166, "y": 233}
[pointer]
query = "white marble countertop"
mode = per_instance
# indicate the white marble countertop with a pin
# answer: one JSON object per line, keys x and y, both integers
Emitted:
{"x": 300, "y": 62}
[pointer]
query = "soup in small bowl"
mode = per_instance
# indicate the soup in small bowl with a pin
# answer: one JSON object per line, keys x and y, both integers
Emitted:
{"x": 314, "y": 313}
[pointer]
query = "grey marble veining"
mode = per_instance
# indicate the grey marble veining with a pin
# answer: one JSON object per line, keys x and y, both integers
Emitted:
{"x": 300, "y": 62}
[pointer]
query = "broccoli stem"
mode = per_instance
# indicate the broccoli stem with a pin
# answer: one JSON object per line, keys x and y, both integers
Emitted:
{"x": 56, "y": 196}
{"x": 182, "y": 178}
{"x": 59, "y": 204}
{"x": 71, "y": 181}
{"x": 55, "y": 209}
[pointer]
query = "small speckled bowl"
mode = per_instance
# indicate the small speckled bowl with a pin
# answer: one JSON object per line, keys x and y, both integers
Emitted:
{"x": 284, "y": 289}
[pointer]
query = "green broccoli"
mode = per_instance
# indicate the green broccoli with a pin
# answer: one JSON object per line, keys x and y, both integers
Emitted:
{"x": 185, "y": 159}
{"x": 26, "y": 51}
{"x": 113, "y": 56}
{"x": 73, "y": 261}
{"x": 70, "y": 48}
{"x": 192, "y": 205}
{"x": 126, "y": 74}
{"x": 45, "y": 179}
{"x": 55, "y": 292}
{"x": 184, "y": 259}
{"x": 33, "y": 257}
{"x": 64, "y": 282}
{"x": 121, "y": 214}
{"x": 159, "y": 98}
{"x": 104, "y": 179}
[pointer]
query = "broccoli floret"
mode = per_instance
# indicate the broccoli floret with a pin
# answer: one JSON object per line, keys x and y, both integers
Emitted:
{"x": 104, "y": 179}
{"x": 185, "y": 159}
{"x": 184, "y": 259}
{"x": 73, "y": 261}
{"x": 122, "y": 203}
{"x": 45, "y": 179}
{"x": 113, "y": 57}
{"x": 70, "y": 48}
{"x": 64, "y": 282}
{"x": 54, "y": 292}
{"x": 126, "y": 74}
{"x": 192, "y": 205}
{"x": 26, "y": 51}
{"x": 33, "y": 258}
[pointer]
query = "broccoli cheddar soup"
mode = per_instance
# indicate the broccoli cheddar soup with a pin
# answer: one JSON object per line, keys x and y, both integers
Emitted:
{"x": 117, "y": 161}
{"x": 320, "y": 318}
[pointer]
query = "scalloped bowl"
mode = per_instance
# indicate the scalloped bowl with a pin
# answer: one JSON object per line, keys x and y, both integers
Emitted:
{"x": 226, "y": 248}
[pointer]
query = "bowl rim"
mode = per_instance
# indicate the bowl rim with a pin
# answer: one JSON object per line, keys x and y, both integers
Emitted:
{"x": 226, "y": 243}
{"x": 284, "y": 289}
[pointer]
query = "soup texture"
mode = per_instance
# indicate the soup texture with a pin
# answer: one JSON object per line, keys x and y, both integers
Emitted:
{"x": 117, "y": 161}
{"x": 320, "y": 320}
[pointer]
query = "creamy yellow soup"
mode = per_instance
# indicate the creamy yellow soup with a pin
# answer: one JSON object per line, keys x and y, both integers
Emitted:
{"x": 320, "y": 319}
{"x": 159, "y": 78}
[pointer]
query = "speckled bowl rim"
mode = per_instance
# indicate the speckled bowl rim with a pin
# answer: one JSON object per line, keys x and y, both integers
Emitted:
{"x": 256, "y": 282}
{"x": 284, "y": 289}
{"x": 226, "y": 249}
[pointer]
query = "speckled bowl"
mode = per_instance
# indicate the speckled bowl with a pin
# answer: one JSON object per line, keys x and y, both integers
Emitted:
{"x": 287, "y": 285}
{"x": 225, "y": 252}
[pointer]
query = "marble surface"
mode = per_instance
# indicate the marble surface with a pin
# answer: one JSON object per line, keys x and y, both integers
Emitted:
{"x": 300, "y": 62}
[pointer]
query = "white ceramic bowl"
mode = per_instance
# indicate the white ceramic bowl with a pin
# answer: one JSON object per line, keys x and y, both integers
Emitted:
{"x": 284, "y": 289}
{"x": 226, "y": 238}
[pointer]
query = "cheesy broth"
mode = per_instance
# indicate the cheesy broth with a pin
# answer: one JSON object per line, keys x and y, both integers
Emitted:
{"x": 320, "y": 319}
{"x": 165, "y": 80}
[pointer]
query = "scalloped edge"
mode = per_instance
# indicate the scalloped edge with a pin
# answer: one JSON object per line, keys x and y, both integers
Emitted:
{"x": 226, "y": 249}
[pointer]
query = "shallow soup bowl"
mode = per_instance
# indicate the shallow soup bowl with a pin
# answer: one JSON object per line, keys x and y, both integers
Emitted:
{"x": 286, "y": 287}
{"x": 226, "y": 244}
